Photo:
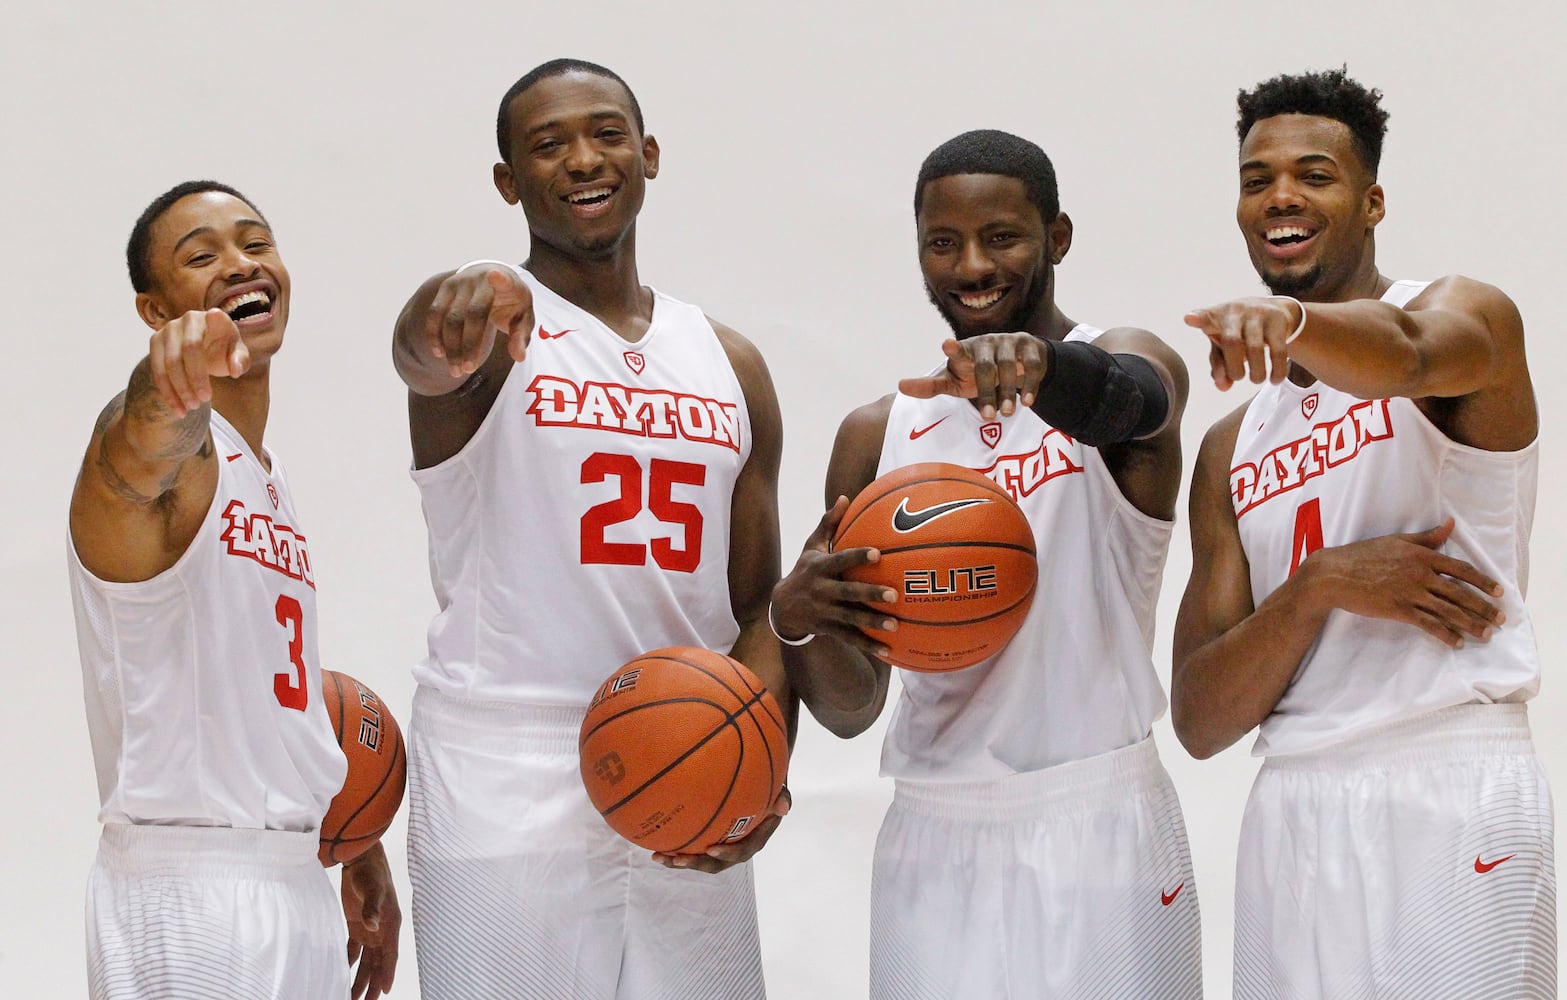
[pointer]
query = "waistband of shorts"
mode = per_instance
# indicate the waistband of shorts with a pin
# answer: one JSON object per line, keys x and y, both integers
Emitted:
{"x": 133, "y": 848}
{"x": 1119, "y": 773}
{"x": 1459, "y": 732}
{"x": 501, "y": 725}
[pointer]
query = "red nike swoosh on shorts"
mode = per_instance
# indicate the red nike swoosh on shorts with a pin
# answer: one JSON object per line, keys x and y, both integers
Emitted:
{"x": 917, "y": 433}
{"x": 1169, "y": 897}
{"x": 1481, "y": 867}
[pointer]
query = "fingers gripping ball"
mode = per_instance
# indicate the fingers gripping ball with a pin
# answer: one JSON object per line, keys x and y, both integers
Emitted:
{"x": 683, "y": 748}
{"x": 958, "y": 551}
{"x": 377, "y": 769}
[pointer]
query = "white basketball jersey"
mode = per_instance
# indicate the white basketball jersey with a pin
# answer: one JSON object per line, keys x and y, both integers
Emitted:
{"x": 1078, "y": 679}
{"x": 202, "y": 684}
{"x": 1314, "y": 467}
{"x": 587, "y": 520}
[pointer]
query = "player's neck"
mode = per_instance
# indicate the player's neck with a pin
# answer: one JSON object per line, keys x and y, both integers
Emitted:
{"x": 245, "y": 403}
{"x": 607, "y": 287}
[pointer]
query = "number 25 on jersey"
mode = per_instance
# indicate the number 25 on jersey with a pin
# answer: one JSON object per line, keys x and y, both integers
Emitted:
{"x": 662, "y": 475}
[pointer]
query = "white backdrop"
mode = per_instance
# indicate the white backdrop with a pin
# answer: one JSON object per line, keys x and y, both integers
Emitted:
{"x": 791, "y": 136}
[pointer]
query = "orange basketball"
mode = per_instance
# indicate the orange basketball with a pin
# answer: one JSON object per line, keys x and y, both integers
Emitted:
{"x": 683, "y": 748}
{"x": 377, "y": 769}
{"x": 960, "y": 554}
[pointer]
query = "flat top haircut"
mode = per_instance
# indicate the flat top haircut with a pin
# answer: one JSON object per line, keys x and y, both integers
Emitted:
{"x": 1327, "y": 94}
{"x": 141, "y": 233}
{"x": 555, "y": 67}
{"x": 988, "y": 151}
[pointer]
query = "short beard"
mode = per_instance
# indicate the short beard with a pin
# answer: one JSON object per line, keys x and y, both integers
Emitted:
{"x": 1012, "y": 323}
{"x": 1294, "y": 285}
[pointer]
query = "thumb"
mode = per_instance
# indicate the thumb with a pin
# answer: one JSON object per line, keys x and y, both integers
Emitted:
{"x": 925, "y": 387}
{"x": 827, "y": 527}
{"x": 1432, "y": 538}
{"x": 373, "y": 893}
{"x": 1202, "y": 319}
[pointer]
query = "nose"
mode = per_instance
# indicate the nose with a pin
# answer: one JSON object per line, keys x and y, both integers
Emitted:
{"x": 239, "y": 264}
{"x": 583, "y": 156}
{"x": 973, "y": 264}
{"x": 1284, "y": 196}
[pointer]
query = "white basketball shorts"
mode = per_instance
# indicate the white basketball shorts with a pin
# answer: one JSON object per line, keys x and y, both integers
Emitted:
{"x": 520, "y": 889}
{"x": 203, "y": 913}
{"x": 1414, "y": 861}
{"x": 1071, "y": 882}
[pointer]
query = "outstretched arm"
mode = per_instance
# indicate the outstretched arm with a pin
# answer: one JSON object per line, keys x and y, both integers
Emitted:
{"x": 1458, "y": 340}
{"x": 149, "y": 473}
{"x": 1234, "y": 660}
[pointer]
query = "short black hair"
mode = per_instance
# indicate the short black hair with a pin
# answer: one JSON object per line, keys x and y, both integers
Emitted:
{"x": 989, "y": 151}
{"x": 141, "y": 233}
{"x": 1326, "y": 94}
{"x": 555, "y": 67}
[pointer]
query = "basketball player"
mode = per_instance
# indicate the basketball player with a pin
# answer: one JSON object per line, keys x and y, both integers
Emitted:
{"x": 196, "y": 619}
{"x": 598, "y": 464}
{"x": 1360, "y": 535}
{"x": 1035, "y": 846}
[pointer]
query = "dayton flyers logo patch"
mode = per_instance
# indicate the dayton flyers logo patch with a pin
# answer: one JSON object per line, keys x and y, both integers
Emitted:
{"x": 635, "y": 361}
{"x": 1308, "y": 406}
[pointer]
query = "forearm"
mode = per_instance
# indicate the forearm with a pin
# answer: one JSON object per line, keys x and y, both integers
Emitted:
{"x": 143, "y": 441}
{"x": 1101, "y": 398}
{"x": 1372, "y": 349}
{"x": 1225, "y": 687}
{"x": 843, "y": 688}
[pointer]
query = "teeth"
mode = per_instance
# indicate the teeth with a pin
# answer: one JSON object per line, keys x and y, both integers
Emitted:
{"x": 579, "y": 197}
{"x": 1284, "y": 232}
{"x": 231, "y": 305}
{"x": 981, "y": 301}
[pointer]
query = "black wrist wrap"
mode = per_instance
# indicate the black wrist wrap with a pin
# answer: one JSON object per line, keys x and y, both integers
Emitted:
{"x": 1100, "y": 398}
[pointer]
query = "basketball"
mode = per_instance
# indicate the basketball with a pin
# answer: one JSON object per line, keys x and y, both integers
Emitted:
{"x": 958, "y": 551}
{"x": 683, "y": 748}
{"x": 377, "y": 769}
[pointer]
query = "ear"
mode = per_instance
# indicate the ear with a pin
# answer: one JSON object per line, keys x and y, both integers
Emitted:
{"x": 1058, "y": 237}
{"x": 1376, "y": 205}
{"x": 649, "y": 157}
{"x": 505, "y": 183}
{"x": 151, "y": 310}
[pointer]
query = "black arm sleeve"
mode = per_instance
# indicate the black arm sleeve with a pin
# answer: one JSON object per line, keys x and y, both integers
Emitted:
{"x": 1100, "y": 398}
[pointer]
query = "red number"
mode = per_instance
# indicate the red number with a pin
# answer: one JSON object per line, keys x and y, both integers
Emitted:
{"x": 662, "y": 477}
{"x": 595, "y": 549}
{"x": 1308, "y": 532}
{"x": 290, "y": 688}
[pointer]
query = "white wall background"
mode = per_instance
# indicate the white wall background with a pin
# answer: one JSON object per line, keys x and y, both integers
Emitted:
{"x": 791, "y": 137}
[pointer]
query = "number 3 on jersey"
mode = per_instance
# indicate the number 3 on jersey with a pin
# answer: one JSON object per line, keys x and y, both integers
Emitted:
{"x": 662, "y": 475}
{"x": 289, "y": 686}
{"x": 1308, "y": 532}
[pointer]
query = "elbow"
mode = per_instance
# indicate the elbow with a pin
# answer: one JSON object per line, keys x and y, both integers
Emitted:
{"x": 844, "y": 725}
{"x": 1195, "y": 730}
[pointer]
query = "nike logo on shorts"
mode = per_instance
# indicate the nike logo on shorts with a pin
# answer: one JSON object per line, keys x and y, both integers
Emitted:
{"x": 1169, "y": 897}
{"x": 1481, "y": 867}
{"x": 905, "y": 520}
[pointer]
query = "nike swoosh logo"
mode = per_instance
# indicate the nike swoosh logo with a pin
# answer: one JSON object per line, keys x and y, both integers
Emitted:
{"x": 916, "y": 434}
{"x": 1481, "y": 867}
{"x": 1169, "y": 897}
{"x": 905, "y": 520}
{"x": 236, "y": 455}
{"x": 546, "y": 335}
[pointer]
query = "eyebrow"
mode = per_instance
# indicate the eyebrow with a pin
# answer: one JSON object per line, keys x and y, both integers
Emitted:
{"x": 593, "y": 116}
{"x": 207, "y": 231}
{"x": 1309, "y": 158}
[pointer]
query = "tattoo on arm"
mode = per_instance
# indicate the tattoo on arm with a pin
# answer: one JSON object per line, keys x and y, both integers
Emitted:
{"x": 140, "y": 401}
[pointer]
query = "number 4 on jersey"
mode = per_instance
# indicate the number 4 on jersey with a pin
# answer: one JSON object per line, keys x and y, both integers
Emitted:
{"x": 1308, "y": 532}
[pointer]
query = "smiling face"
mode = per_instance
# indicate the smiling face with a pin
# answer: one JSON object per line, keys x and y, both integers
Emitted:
{"x": 1307, "y": 207}
{"x": 987, "y": 255}
{"x": 212, "y": 250}
{"x": 578, "y": 165}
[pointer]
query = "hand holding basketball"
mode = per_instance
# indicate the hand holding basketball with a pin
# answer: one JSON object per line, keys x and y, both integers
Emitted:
{"x": 471, "y": 308}
{"x": 815, "y": 597}
{"x": 996, "y": 370}
{"x": 723, "y": 856}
